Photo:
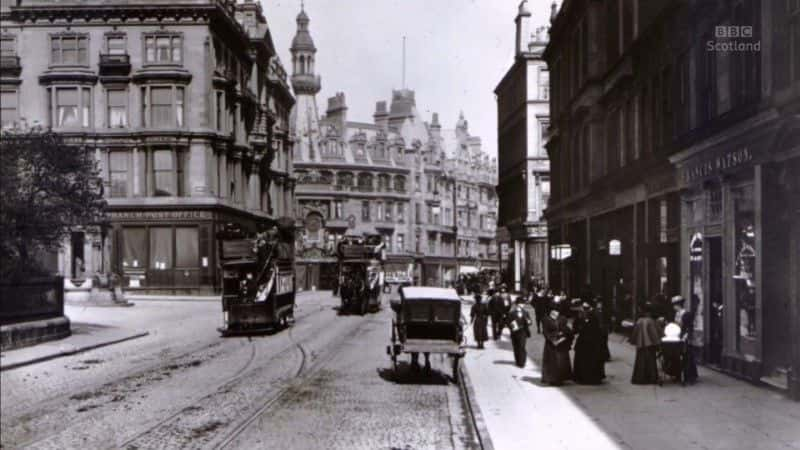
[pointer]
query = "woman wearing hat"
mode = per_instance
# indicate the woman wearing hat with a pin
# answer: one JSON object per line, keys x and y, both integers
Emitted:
{"x": 556, "y": 365}
{"x": 589, "y": 352}
{"x": 480, "y": 320}
{"x": 646, "y": 337}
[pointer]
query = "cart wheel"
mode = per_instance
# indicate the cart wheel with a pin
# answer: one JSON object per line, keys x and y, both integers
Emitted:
{"x": 456, "y": 368}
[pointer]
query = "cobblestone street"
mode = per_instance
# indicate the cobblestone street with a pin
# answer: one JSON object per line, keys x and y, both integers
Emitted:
{"x": 324, "y": 383}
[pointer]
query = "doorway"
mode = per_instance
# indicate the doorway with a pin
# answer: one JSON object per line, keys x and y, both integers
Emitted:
{"x": 78, "y": 263}
{"x": 715, "y": 302}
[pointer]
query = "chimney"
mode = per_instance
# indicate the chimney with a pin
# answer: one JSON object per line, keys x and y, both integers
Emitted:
{"x": 523, "y": 22}
{"x": 381, "y": 116}
{"x": 436, "y": 127}
{"x": 337, "y": 111}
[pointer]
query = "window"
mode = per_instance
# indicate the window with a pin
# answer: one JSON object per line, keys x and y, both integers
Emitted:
{"x": 9, "y": 107}
{"x": 163, "y": 49}
{"x": 115, "y": 45}
{"x": 164, "y": 173}
{"x": 432, "y": 243}
{"x": 389, "y": 209}
{"x": 160, "y": 248}
{"x": 417, "y": 186}
{"x": 387, "y": 238}
{"x": 400, "y": 183}
{"x": 69, "y": 50}
{"x": 337, "y": 209}
{"x": 401, "y": 212}
{"x": 162, "y": 106}
{"x": 365, "y": 211}
{"x": 381, "y": 213}
{"x": 73, "y": 106}
{"x": 134, "y": 248}
{"x": 8, "y": 46}
{"x": 417, "y": 213}
{"x": 118, "y": 173}
{"x": 544, "y": 84}
{"x": 400, "y": 243}
{"x": 117, "y": 101}
{"x": 220, "y": 110}
{"x": 187, "y": 248}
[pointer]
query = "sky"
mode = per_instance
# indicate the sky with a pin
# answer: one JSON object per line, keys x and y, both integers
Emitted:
{"x": 457, "y": 51}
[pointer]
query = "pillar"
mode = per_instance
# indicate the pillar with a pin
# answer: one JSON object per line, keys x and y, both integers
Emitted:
{"x": 199, "y": 169}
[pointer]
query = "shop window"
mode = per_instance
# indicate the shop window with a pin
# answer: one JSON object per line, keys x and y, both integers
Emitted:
{"x": 662, "y": 221}
{"x": 9, "y": 107}
{"x": 134, "y": 248}
{"x": 161, "y": 248}
{"x": 117, "y": 102}
{"x": 187, "y": 247}
{"x": 69, "y": 50}
{"x": 163, "y": 49}
{"x": 118, "y": 173}
{"x": 745, "y": 254}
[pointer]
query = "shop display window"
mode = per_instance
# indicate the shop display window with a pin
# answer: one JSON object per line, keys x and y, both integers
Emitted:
{"x": 745, "y": 254}
{"x": 134, "y": 248}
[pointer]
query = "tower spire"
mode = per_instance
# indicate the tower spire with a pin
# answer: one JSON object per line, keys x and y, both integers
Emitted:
{"x": 404, "y": 62}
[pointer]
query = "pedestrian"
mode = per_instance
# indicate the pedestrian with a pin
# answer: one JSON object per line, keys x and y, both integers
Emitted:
{"x": 497, "y": 310}
{"x": 519, "y": 323}
{"x": 646, "y": 337}
{"x": 556, "y": 366}
{"x": 480, "y": 320}
{"x": 590, "y": 358}
{"x": 685, "y": 319}
{"x": 539, "y": 308}
{"x": 603, "y": 320}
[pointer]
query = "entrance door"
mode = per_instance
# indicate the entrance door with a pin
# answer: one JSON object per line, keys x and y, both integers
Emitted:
{"x": 312, "y": 276}
{"x": 715, "y": 300}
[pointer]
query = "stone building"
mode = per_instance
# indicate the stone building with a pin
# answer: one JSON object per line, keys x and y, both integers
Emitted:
{"x": 675, "y": 151}
{"x": 399, "y": 176}
{"x": 523, "y": 117}
{"x": 186, "y": 107}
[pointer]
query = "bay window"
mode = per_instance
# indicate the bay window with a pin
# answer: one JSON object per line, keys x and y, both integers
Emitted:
{"x": 70, "y": 106}
{"x": 118, "y": 173}
{"x": 162, "y": 106}
{"x": 164, "y": 173}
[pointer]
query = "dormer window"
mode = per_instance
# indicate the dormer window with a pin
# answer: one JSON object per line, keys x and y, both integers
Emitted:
{"x": 163, "y": 49}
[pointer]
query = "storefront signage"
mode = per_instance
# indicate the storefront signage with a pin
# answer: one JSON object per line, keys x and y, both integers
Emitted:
{"x": 708, "y": 167}
{"x": 159, "y": 215}
{"x": 696, "y": 248}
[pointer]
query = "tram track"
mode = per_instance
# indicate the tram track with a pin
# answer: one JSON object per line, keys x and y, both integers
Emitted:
{"x": 304, "y": 375}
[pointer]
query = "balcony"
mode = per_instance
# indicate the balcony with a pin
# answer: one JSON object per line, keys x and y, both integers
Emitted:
{"x": 9, "y": 66}
{"x": 111, "y": 65}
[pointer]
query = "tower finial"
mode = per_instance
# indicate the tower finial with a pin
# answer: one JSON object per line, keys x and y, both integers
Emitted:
{"x": 302, "y": 5}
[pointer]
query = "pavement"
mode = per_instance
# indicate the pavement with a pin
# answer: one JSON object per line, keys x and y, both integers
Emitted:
{"x": 719, "y": 412}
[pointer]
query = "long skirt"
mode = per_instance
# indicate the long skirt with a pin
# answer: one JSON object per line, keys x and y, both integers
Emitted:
{"x": 589, "y": 366}
{"x": 556, "y": 366}
{"x": 480, "y": 329}
{"x": 518, "y": 339}
{"x": 645, "y": 369}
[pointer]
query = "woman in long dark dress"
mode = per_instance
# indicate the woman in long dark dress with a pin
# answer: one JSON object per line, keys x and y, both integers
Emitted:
{"x": 589, "y": 352}
{"x": 646, "y": 336}
{"x": 556, "y": 366}
{"x": 480, "y": 321}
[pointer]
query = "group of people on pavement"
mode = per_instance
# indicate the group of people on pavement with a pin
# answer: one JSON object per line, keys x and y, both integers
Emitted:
{"x": 582, "y": 325}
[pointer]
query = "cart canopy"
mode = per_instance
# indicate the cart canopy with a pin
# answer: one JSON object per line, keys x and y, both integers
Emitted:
{"x": 429, "y": 293}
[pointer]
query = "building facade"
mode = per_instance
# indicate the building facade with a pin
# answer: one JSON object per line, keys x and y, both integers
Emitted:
{"x": 675, "y": 154}
{"x": 429, "y": 191}
{"x": 185, "y": 109}
{"x": 523, "y": 117}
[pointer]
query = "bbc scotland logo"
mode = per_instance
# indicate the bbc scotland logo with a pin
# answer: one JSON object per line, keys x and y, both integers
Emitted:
{"x": 733, "y": 38}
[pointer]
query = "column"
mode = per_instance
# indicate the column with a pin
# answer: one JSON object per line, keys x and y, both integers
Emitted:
{"x": 223, "y": 174}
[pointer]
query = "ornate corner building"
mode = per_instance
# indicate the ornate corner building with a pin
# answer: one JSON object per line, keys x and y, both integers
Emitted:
{"x": 429, "y": 191}
{"x": 186, "y": 106}
{"x": 523, "y": 117}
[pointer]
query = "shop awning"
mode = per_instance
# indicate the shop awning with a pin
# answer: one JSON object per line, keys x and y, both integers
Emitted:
{"x": 468, "y": 269}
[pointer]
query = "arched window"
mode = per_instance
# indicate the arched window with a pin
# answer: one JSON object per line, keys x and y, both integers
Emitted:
{"x": 344, "y": 179}
{"x": 365, "y": 182}
{"x": 313, "y": 227}
{"x": 400, "y": 183}
{"x": 302, "y": 64}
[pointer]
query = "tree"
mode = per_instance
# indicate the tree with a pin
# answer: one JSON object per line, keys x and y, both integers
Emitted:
{"x": 47, "y": 188}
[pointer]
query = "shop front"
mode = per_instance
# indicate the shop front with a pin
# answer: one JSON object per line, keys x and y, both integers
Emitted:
{"x": 169, "y": 250}
{"x": 739, "y": 209}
